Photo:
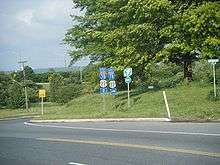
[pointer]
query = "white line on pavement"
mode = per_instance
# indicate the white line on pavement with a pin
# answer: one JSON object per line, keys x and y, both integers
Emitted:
{"x": 123, "y": 130}
{"x": 76, "y": 163}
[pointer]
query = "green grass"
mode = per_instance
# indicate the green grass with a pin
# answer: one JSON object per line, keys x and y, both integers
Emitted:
{"x": 187, "y": 102}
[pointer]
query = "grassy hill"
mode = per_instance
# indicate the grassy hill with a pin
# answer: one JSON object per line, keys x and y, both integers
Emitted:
{"x": 188, "y": 102}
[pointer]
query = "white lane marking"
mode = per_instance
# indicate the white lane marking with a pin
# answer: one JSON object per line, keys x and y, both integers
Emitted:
{"x": 76, "y": 163}
{"x": 123, "y": 130}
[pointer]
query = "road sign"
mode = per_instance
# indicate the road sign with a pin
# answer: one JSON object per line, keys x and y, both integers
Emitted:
{"x": 213, "y": 60}
{"x": 113, "y": 91}
{"x": 111, "y": 70}
{"x": 103, "y": 90}
{"x": 103, "y": 69}
{"x": 128, "y": 80}
{"x": 111, "y": 74}
{"x": 150, "y": 87}
{"x": 112, "y": 84}
{"x": 42, "y": 93}
{"x": 103, "y": 83}
{"x": 102, "y": 75}
{"x": 127, "y": 72}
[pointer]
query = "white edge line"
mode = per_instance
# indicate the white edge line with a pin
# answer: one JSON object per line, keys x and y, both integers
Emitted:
{"x": 121, "y": 130}
{"x": 76, "y": 163}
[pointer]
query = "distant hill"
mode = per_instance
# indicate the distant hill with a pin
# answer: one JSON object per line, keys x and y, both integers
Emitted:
{"x": 57, "y": 69}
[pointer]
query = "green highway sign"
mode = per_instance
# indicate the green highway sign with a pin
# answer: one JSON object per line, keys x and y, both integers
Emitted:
{"x": 128, "y": 80}
{"x": 127, "y": 72}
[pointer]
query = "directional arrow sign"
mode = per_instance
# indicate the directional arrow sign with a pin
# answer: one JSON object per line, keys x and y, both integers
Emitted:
{"x": 127, "y": 72}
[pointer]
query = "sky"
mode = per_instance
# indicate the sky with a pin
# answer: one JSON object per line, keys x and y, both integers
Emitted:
{"x": 33, "y": 30}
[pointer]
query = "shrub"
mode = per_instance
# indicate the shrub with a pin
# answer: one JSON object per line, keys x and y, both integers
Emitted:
{"x": 202, "y": 72}
{"x": 56, "y": 81}
{"x": 16, "y": 96}
{"x": 68, "y": 92}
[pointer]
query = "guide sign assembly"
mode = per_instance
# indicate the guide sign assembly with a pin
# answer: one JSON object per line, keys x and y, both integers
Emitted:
{"x": 107, "y": 77}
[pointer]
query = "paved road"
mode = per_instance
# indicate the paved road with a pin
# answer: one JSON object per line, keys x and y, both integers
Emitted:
{"x": 109, "y": 143}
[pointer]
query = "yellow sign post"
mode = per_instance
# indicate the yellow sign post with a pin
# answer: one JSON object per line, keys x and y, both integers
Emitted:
{"x": 42, "y": 94}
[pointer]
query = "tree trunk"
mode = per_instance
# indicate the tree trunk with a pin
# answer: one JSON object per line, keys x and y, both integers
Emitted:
{"x": 188, "y": 70}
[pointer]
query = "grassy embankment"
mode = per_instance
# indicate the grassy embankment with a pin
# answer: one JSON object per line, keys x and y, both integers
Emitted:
{"x": 186, "y": 102}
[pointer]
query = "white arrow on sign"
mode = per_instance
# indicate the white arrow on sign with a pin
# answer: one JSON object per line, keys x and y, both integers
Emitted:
{"x": 103, "y": 83}
{"x": 127, "y": 72}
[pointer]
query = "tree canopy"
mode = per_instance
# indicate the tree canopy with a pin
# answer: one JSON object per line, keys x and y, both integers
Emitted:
{"x": 133, "y": 33}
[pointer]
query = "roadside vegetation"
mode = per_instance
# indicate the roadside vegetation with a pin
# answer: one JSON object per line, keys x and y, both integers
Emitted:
{"x": 166, "y": 43}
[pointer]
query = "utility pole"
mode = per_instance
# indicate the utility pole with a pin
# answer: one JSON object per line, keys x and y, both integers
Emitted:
{"x": 24, "y": 78}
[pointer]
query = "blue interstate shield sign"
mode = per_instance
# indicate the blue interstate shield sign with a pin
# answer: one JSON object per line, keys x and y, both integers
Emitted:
{"x": 103, "y": 90}
{"x": 113, "y": 91}
{"x": 102, "y": 75}
{"x": 111, "y": 74}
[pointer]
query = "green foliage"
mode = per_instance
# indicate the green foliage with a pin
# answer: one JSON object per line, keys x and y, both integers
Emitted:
{"x": 29, "y": 74}
{"x": 41, "y": 77}
{"x": 119, "y": 33}
{"x": 5, "y": 81}
{"x": 91, "y": 77}
{"x": 68, "y": 92}
{"x": 211, "y": 96}
{"x": 136, "y": 32}
{"x": 202, "y": 72}
{"x": 61, "y": 91}
{"x": 161, "y": 75}
{"x": 56, "y": 81}
{"x": 194, "y": 33}
{"x": 16, "y": 96}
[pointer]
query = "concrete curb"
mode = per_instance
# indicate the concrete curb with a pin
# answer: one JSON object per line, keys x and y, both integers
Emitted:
{"x": 15, "y": 118}
{"x": 100, "y": 120}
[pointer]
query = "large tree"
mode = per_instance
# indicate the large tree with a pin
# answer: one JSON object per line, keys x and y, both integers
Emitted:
{"x": 123, "y": 33}
{"x": 193, "y": 35}
{"x": 119, "y": 33}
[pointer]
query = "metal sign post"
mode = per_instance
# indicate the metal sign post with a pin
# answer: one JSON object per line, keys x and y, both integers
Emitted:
{"x": 128, "y": 95}
{"x": 214, "y": 82}
{"x": 127, "y": 73}
{"x": 42, "y": 105}
{"x": 213, "y": 62}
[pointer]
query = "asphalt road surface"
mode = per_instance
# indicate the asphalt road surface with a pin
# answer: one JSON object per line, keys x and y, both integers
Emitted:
{"x": 109, "y": 143}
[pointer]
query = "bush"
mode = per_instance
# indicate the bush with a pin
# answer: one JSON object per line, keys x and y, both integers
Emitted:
{"x": 56, "y": 82}
{"x": 202, "y": 72}
{"x": 68, "y": 92}
{"x": 16, "y": 96}
{"x": 162, "y": 75}
{"x": 5, "y": 81}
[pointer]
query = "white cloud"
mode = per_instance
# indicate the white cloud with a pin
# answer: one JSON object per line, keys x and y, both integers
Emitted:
{"x": 36, "y": 29}
{"x": 25, "y": 16}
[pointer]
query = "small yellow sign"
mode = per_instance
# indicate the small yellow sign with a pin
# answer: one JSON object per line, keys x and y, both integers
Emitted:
{"x": 42, "y": 93}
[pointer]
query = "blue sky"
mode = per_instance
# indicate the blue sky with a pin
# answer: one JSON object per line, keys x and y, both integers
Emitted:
{"x": 33, "y": 30}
